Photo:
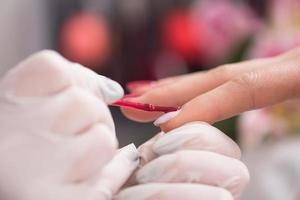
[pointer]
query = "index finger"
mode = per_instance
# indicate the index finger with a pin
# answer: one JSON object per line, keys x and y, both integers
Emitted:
{"x": 253, "y": 90}
{"x": 179, "y": 91}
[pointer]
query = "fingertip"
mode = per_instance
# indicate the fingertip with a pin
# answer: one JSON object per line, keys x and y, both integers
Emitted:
{"x": 130, "y": 152}
{"x": 153, "y": 98}
{"x": 111, "y": 90}
{"x": 139, "y": 115}
{"x": 172, "y": 120}
{"x": 201, "y": 108}
{"x": 168, "y": 126}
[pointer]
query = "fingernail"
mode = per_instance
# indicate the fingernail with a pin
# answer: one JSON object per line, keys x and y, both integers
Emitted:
{"x": 130, "y": 152}
{"x": 111, "y": 90}
{"x": 136, "y": 84}
{"x": 114, "y": 175}
{"x": 159, "y": 170}
{"x": 166, "y": 117}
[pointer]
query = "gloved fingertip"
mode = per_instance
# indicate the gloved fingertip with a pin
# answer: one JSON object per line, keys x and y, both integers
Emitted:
{"x": 111, "y": 90}
{"x": 130, "y": 152}
{"x": 118, "y": 170}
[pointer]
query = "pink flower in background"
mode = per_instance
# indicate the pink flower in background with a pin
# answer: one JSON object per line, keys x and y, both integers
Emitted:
{"x": 183, "y": 35}
{"x": 282, "y": 33}
{"x": 85, "y": 38}
{"x": 272, "y": 42}
{"x": 255, "y": 126}
{"x": 228, "y": 23}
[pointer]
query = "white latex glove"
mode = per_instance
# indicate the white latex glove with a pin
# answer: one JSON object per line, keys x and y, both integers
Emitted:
{"x": 276, "y": 170}
{"x": 57, "y": 137}
{"x": 193, "y": 162}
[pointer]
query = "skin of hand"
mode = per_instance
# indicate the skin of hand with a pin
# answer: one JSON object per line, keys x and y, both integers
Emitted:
{"x": 195, "y": 161}
{"x": 57, "y": 138}
{"x": 222, "y": 92}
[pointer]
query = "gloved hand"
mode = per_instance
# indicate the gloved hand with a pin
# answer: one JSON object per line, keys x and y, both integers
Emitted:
{"x": 193, "y": 162}
{"x": 57, "y": 137}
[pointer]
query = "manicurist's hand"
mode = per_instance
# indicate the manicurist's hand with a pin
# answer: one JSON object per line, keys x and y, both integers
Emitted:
{"x": 223, "y": 92}
{"x": 195, "y": 161}
{"x": 57, "y": 136}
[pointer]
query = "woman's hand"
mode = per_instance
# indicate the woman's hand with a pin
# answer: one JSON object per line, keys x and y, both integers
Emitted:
{"x": 57, "y": 136}
{"x": 222, "y": 92}
{"x": 195, "y": 161}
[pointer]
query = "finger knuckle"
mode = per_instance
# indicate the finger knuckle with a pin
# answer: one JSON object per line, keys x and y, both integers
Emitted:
{"x": 247, "y": 85}
{"x": 224, "y": 71}
{"x": 246, "y": 81}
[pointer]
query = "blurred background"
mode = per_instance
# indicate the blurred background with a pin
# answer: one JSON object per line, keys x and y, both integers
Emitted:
{"x": 129, "y": 40}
